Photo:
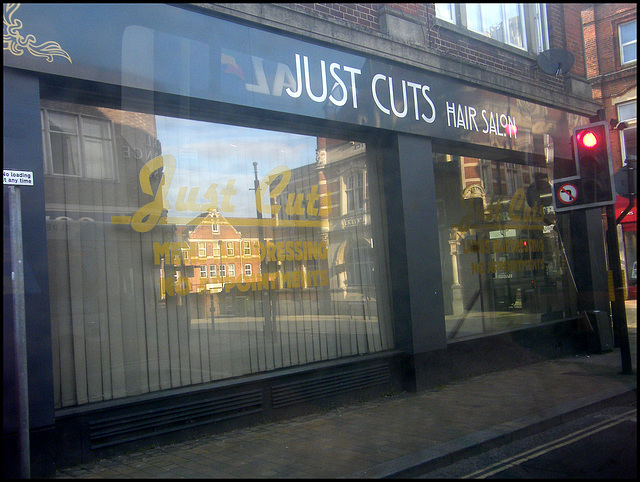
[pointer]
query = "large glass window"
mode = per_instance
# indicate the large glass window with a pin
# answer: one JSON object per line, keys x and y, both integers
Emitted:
{"x": 502, "y": 258}
{"x": 217, "y": 251}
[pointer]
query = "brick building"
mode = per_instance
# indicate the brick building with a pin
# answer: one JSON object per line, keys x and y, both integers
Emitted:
{"x": 610, "y": 36}
{"x": 303, "y": 205}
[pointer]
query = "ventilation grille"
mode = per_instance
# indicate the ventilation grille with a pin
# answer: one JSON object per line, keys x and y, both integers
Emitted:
{"x": 307, "y": 390}
{"x": 150, "y": 423}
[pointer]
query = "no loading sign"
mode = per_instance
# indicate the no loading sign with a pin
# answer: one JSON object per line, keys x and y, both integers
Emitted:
{"x": 567, "y": 193}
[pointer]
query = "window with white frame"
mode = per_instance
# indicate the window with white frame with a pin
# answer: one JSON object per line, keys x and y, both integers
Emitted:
{"x": 248, "y": 270}
{"x": 521, "y": 25}
{"x": 215, "y": 228}
{"x": 628, "y": 35}
{"x": 541, "y": 26}
{"x": 628, "y": 112}
{"x": 203, "y": 271}
{"x": 247, "y": 248}
{"x": 223, "y": 270}
{"x": 77, "y": 145}
{"x": 503, "y": 22}
{"x": 446, "y": 11}
{"x": 230, "y": 249}
{"x": 212, "y": 271}
{"x": 231, "y": 269}
{"x": 216, "y": 248}
{"x": 202, "y": 249}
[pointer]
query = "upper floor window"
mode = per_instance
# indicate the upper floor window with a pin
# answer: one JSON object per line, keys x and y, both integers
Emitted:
{"x": 230, "y": 249}
{"x": 503, "y": 22}
{"x": 628, "y": 42}
{"x": 628, "y": 112}
{"x": 520, "y": 25}
{"x": 77, "y": 145}
{"x": 446, "y": 11}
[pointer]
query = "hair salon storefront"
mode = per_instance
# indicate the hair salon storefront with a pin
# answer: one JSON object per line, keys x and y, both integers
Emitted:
{"x": 228, "y": 225}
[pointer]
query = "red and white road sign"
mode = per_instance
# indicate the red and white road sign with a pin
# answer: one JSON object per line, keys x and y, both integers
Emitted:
{"x": 567, "y": 193}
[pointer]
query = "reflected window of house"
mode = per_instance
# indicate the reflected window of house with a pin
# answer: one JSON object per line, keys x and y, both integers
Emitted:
{"x": 355, "y": 191}
{"x": 248, "y": 270}
{"x": 212, "y": 271}
{"x": 232, "y": 270}
{"x": 77, "y": 145}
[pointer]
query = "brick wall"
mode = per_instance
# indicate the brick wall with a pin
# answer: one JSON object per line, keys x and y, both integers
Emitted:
{"x": 609, "y": 78}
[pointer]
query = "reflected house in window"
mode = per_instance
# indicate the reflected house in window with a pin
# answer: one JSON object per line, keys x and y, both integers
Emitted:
{"x": 341, "y": 174}
{"x": 218, "y": 257}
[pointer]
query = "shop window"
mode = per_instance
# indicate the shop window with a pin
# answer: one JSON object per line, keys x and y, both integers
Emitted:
{"x": 503, "y": 262}
{"x": 520, "y": 25}
{"x": 628, "y": 113}
{"x": 628, "y": 35}
{"x": 129, "y": 307}
{"x": 77, "y": 145}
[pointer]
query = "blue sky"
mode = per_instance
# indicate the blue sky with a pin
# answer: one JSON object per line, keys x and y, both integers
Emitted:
{"x": 209, "y": 153}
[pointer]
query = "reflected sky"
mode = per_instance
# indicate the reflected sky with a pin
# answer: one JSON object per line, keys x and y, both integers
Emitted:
{"x": 209, "y": 153}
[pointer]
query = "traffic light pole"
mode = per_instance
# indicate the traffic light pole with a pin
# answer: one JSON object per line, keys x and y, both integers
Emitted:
{"x": 618, "y": 310}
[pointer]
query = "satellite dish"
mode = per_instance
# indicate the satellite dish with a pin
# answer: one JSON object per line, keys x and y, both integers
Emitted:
{"x": 555, "y": 61}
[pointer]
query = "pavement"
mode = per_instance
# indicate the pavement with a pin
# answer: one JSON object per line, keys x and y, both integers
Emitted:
{"x": 396, "y": 436}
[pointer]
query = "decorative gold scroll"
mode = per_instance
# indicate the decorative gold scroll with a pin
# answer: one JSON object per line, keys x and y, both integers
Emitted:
{"x": 15, "y": 43}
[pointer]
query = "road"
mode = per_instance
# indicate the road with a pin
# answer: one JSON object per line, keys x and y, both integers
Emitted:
{"x": 602, "y": 444}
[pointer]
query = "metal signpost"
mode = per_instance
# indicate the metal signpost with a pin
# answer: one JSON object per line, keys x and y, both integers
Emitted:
{"x": 588, "y": 182}
{"x": 15, "y": 179}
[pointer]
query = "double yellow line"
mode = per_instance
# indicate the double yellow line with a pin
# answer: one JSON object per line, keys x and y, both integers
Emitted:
{"x": 550, "y": 446}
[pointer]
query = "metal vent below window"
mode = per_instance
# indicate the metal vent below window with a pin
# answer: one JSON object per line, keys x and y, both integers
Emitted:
{"x": 149, "y": 423}
{"x": 306, "y": 390}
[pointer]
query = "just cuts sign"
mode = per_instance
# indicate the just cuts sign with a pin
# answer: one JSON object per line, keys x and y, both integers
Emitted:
{"x": 162, "y": 48}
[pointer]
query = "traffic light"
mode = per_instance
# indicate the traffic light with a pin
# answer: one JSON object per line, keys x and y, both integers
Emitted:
{"x": 592, "y": 184}
{"x": 593, "y": 156}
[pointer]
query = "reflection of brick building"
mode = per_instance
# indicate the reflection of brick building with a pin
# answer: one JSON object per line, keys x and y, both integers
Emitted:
{"x": 610, "y": 35}
{"x": 218, "y": 254}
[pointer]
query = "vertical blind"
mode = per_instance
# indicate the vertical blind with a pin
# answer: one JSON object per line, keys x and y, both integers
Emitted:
{"x": 200, "y": 251}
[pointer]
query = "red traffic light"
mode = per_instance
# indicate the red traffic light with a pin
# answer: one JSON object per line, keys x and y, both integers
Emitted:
{"x": 588, "y": 139}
